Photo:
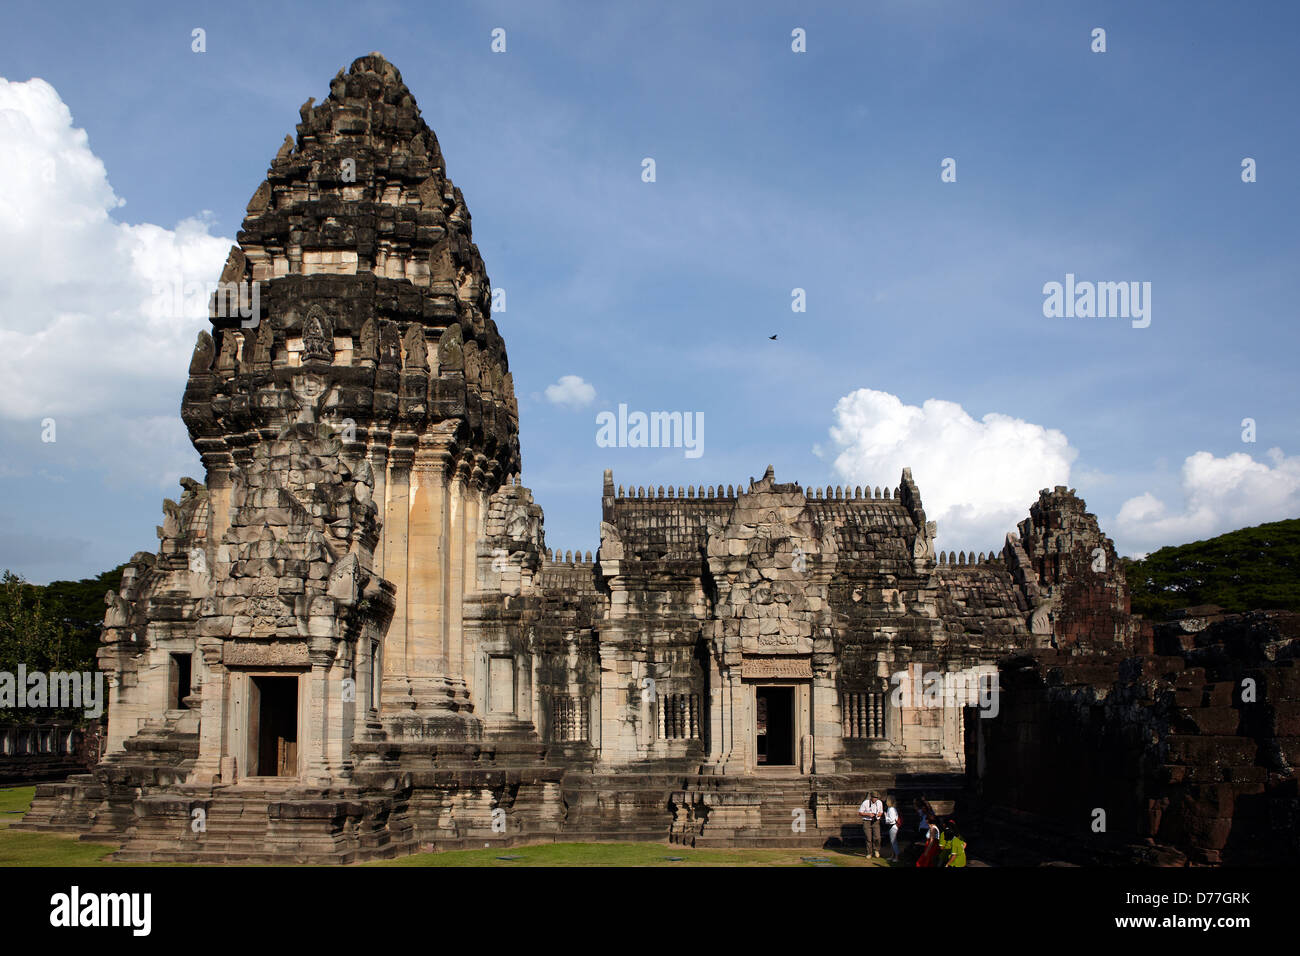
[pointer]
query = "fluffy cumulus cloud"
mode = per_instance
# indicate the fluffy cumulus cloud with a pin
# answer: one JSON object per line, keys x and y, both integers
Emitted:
{"x": 571, "y": 391}
{"x": 1219, "y": 494}
{"x": 97, "y": 316}
{"x": 977, "y": 477}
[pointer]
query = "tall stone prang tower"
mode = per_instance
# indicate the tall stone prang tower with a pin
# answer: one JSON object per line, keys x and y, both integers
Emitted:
{"x": 374, "y": 330}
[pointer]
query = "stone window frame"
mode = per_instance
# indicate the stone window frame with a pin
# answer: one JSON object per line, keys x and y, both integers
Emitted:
{"x": 678, "y": 716}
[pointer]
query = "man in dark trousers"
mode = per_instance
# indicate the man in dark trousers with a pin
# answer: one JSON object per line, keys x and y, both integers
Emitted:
{"x": 871, "y": 811}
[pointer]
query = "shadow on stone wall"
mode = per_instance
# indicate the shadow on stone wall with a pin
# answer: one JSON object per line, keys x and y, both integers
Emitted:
{"x": 1183, "y": 754}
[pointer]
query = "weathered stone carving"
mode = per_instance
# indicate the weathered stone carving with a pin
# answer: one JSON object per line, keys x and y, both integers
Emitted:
{"x": 308, "y": 390}
{"x": 368, "y": 342}
{"x": 414, "y": 349}
{"x": 231, "y": 343}
{"x": 1040, "y": 622}
{"x": 390, "y": 345}
{"x": 923, "y": 544}
{"x": 236, "y": 264}
{"x": 266, "y": 608}
{"x": 204, "y": 349}
{"x": 119, "y": 615}
{"x": 260, "y": 200}
{"x": 286, "y": 150}
{"x": 450, "y": 353}
{"x": 317, "y": 337}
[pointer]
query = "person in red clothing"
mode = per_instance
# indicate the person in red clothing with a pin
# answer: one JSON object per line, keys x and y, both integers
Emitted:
{"x": 931, "y": 850}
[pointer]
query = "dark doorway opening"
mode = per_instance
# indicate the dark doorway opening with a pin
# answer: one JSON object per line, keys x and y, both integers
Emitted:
{"x": 775, "y": 725}
{"x": 273, "y": 726}
{"x": 178, "y": 681}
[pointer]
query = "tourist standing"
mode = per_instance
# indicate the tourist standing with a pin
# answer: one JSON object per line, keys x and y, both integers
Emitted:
{"x": 954, "y": 844}
{"x": 871, "y": 811}
{"x": 892, "y": 821}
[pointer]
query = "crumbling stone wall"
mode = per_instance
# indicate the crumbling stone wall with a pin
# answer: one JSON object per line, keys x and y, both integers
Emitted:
{"x": 1078, "y": 574}
{"x": 1190, "y": 753}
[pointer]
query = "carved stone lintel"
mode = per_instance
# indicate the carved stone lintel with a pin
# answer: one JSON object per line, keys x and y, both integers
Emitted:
{"x": 238, "y": 653}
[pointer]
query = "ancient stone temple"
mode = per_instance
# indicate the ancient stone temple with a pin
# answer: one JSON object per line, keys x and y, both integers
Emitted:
{"x": 353, "y": 640}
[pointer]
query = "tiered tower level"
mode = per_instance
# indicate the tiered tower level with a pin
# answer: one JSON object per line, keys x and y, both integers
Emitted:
{"x": 353, "y": 638}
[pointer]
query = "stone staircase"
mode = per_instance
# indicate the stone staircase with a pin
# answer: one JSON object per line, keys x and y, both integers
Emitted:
{"x": 465, "y": 795}
{"x": 265, "y": 822}
{"x": 619, "y": 806}
{"x": 98, "y": 806}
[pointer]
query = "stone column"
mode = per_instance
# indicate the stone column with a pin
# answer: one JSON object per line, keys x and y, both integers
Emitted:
{"x": 952, "y": 743}
{"x": 719, "y": 708}
{"x": 321, "y": 706}
{"x": 730, "y": 754}
{"x": 737, "y": 758}
{"x": 396, "y": 689}
{"x": 460, "y": 651}
{"x": 219, "y": 486}
{"x": 378, "y": 457}
{"x": 827, "y": 721}
{"x": 615, "y": 678}
{"x": 116, "y": 733}
{"x": 459, "y": 506}
{"x": 215, "y": 720}
{"x": 426, "y": 652}
{"x": 443, "y": 559}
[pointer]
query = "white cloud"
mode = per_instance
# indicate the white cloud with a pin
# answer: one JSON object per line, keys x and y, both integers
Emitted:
{"x": 977, "y": 478}
{"x": 82, "y": 328}
{"x": 570, "y": 391}
{"x": 1219, "y": 494}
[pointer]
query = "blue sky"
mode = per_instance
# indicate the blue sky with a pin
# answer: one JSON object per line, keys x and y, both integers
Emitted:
{"x": 775, "y": 170}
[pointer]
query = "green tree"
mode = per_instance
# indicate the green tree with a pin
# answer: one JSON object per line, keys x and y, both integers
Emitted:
{"x": 80, "y": 604}
{"x": 1251, "y": 569}
{"x": 41, "y": 633}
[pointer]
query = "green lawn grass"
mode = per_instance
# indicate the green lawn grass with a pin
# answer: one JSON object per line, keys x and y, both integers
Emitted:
{"x": 631, "y": 854}
{"x": 14, "y": 802}
{"x": 51, "y": 849}
{"x": 41, "y": 849}
{"x": 55, "y": 849}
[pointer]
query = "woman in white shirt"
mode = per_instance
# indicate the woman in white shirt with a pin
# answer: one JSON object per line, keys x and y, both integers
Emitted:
{"x": 892, "y": 821}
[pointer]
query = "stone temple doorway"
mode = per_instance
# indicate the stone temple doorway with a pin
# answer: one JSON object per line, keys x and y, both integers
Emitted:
{"x": 273, "y": 727}
{"x": 774, "y": 726}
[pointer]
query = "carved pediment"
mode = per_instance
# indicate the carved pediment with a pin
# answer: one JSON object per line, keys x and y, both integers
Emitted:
{"x": 267, "y": 609}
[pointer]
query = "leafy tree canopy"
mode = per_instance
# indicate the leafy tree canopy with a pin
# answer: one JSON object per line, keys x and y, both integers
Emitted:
{"x": 1252, "y": 569}
{"x": 51, "y": 628}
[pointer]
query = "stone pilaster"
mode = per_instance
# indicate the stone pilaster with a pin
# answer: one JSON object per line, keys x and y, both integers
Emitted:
{"x": 323, "y": 714}
{"x": 396, "y": 692}
{"x": 457, "y": 561}
{"x": 377, "y": 455}
{"x": 214, "y": 722}
{"x": 426, "y": 650}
